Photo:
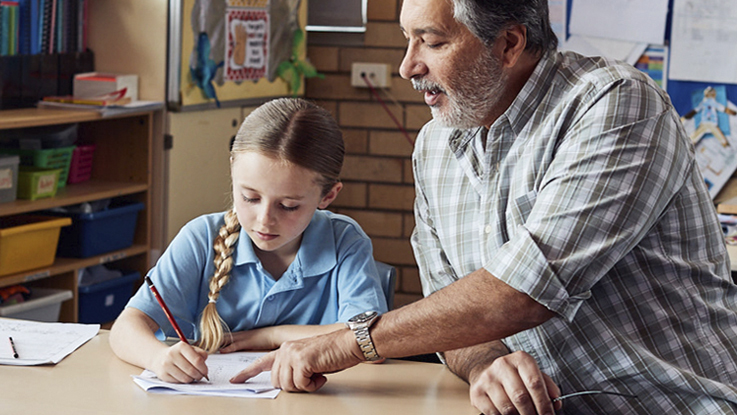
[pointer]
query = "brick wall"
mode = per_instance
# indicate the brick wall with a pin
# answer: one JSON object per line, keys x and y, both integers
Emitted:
{"x": 378, "y": 185}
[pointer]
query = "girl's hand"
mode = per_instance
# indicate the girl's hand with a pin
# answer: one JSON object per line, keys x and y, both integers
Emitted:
{"x": 180, "y": 363}
{"x": 265, "y": 338}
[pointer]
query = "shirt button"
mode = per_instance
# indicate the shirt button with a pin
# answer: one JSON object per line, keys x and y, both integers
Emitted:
{"x": 270, "y": 298}
{"x": 487, "y": 229}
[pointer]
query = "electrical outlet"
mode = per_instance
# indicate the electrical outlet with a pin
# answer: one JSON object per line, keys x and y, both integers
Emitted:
{"x": 379, "y": 74}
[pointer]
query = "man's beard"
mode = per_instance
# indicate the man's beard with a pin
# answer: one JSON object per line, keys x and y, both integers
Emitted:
{"x": 472, "y": 94}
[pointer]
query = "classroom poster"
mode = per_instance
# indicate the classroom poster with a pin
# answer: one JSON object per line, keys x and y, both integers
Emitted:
{"x": 212, "y": 70}
{"x": 710, "y": 125}
{"x": 247, "y": 47}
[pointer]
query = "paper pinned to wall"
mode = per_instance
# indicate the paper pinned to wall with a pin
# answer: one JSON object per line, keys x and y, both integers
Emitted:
{"x": 629, "y": 52}
{"x": 631, "y": 20}
{"x": 557, "y": 10}
{"x": 704, "y": 41}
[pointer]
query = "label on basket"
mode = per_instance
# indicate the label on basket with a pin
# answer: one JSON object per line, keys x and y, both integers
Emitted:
{"x": 46, "y": 184}
{"x": 6, "y": 178}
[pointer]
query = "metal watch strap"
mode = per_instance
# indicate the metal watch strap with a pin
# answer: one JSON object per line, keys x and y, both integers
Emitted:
{"x": 363, "y": 337}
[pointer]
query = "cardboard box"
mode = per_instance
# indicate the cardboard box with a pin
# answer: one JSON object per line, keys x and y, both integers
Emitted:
{"x": 97, "y": 84}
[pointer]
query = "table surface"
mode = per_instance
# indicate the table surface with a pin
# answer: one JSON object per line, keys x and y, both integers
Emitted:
{"x": 92, "y": 380}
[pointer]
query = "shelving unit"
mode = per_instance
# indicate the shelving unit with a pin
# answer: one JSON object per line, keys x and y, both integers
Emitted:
{"x": 122, "y": 166}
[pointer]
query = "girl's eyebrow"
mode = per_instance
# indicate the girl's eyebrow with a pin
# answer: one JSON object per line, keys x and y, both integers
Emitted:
{"x": 299, "y": 197}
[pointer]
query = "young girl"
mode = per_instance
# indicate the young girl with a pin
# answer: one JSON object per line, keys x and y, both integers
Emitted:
{"x": 273, "y": 268}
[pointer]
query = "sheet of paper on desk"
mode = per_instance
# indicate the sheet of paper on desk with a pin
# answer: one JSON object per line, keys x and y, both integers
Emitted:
{"x": 40, "y": 343}
{"x": 221, "y": 367}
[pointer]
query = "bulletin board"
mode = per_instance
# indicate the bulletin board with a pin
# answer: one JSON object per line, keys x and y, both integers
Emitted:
{"x": 694, "y": 43}
{"x": 225, "y": 53}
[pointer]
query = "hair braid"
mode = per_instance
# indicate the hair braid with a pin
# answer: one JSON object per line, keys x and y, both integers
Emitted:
{"x": 211, "y": 324}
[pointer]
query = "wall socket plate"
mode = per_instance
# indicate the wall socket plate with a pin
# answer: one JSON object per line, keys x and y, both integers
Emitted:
{"x": 379, "y": 74}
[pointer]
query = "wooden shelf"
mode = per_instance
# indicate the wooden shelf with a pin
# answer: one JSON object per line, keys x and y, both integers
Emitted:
{"x": 121, "y": 167}
{"x": 72, "y": 195}
{"x": 64, "y": 265}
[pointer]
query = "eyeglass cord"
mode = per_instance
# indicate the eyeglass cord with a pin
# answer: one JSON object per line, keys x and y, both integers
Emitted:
{"x": 592, "y": 392}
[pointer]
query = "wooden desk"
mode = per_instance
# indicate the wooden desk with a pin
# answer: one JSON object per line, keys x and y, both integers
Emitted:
{"x": 92, "y": 381}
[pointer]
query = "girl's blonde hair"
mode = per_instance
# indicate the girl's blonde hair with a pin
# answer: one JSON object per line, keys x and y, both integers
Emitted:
{"x": 289, "y": 129}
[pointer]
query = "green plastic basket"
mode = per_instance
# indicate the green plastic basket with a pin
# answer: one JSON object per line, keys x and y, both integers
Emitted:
{"x": 49, "y": 158}
{"x": 35, "y": 183}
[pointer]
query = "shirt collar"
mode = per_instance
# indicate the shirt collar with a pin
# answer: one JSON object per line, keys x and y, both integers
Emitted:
{"x": 525, "y": 104}
{"x": 316, "y": 254}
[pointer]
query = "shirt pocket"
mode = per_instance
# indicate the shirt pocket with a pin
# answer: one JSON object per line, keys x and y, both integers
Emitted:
{"x": 519, "y": 210}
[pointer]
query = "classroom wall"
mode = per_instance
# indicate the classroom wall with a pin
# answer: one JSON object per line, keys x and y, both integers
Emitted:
{"x": 379, "y": 189}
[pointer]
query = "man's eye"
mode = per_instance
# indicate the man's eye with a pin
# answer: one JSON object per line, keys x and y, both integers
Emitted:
{"x": 289, "y": 208}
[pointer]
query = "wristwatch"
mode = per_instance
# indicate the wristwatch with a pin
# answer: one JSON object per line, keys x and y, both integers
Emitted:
{"x": 360, "y": 324}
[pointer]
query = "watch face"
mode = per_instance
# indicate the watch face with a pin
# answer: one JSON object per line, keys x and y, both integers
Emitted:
{"x": 363, "y": 317}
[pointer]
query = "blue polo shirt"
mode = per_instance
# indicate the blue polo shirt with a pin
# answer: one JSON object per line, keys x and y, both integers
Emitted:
{"x": 332, "y": 278}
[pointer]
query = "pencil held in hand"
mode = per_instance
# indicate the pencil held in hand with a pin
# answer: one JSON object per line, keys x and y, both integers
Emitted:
{"x": 166, "y": 309}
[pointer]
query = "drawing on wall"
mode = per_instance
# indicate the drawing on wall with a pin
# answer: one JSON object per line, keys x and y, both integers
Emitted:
{"x": 232, "y": 50}
{"x": 710, "y": 124}
{"x": 248, "y": 44}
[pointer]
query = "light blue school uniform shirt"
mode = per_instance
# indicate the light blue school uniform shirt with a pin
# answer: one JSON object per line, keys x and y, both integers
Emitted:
{"x": 332, "y": 278}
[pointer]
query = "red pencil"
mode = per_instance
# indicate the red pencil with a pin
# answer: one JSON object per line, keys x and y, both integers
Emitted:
{"x": 166, "y": 309}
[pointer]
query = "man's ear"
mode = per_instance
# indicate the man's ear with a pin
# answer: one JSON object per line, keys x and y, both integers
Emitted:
{"x": 332, "y": 194}
{"x": 511, "y": 43}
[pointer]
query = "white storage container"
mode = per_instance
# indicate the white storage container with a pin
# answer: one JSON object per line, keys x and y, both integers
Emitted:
{"x": 43, "y": 305}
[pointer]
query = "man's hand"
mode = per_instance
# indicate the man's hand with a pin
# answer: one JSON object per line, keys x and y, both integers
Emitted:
{"x": 299, "y": 366}
{"x": 513, "y": 384}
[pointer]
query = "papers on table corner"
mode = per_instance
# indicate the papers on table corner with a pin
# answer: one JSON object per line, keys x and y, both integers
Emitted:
{"x": 221, "y": 367}
{"x": 40, "y": 343}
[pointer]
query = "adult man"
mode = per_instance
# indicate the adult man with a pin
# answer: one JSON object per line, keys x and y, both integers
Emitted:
{"x": 563, "y": 232}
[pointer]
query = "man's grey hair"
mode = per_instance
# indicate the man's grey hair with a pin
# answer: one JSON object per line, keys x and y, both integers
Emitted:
{"x": 487, "y": 18}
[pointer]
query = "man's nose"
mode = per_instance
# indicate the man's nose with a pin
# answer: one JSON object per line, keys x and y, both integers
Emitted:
{"x": 412, "y": 66}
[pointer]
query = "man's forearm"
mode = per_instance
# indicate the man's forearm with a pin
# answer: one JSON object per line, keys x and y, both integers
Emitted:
{"x": 462, "y": 362}
{"x": 476, "y": 309}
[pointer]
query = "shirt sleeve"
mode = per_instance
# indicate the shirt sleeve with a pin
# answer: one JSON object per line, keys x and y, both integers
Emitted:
{"x": 178, "y": 277}
{"x": 614, "y": 172}
{"x": 434, "y": 267}
{"x": 359, "y": 285}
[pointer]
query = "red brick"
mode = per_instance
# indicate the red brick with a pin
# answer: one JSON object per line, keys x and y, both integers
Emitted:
{"x": 411, "y": 283}
{"x": 372, "y": 169}
{"x": 382, "y": 10}
{"x": 335, "y": 86}
{"x": 393, "y": 251}
{"x": 409, "y": 224}
{"x": 331, "y": 106}
{"x": 384, "y": 34}
{"x": 324, "y": 58}
{"x": 417, "y": 116}
{"x": 356, "y": 140}
{"x": 391, "y": 197}
{"x": 367, "y": 114}
{"x": 376, "y": 223}
{"x": 373, "y": 55}
{"x": 401, "y": 299}
{"x": 409, "y": 176}
{"x": 390, "y": 143}
{"x": 352, "y": 195}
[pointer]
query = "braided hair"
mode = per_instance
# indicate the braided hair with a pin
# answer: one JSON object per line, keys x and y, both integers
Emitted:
{"x": 290, "y": 129}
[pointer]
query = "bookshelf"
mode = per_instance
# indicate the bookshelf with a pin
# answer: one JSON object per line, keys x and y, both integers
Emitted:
{"x": 122, "y": 166}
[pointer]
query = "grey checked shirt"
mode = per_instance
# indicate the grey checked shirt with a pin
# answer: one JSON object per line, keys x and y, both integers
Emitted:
{"x": 585, "y": 196}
